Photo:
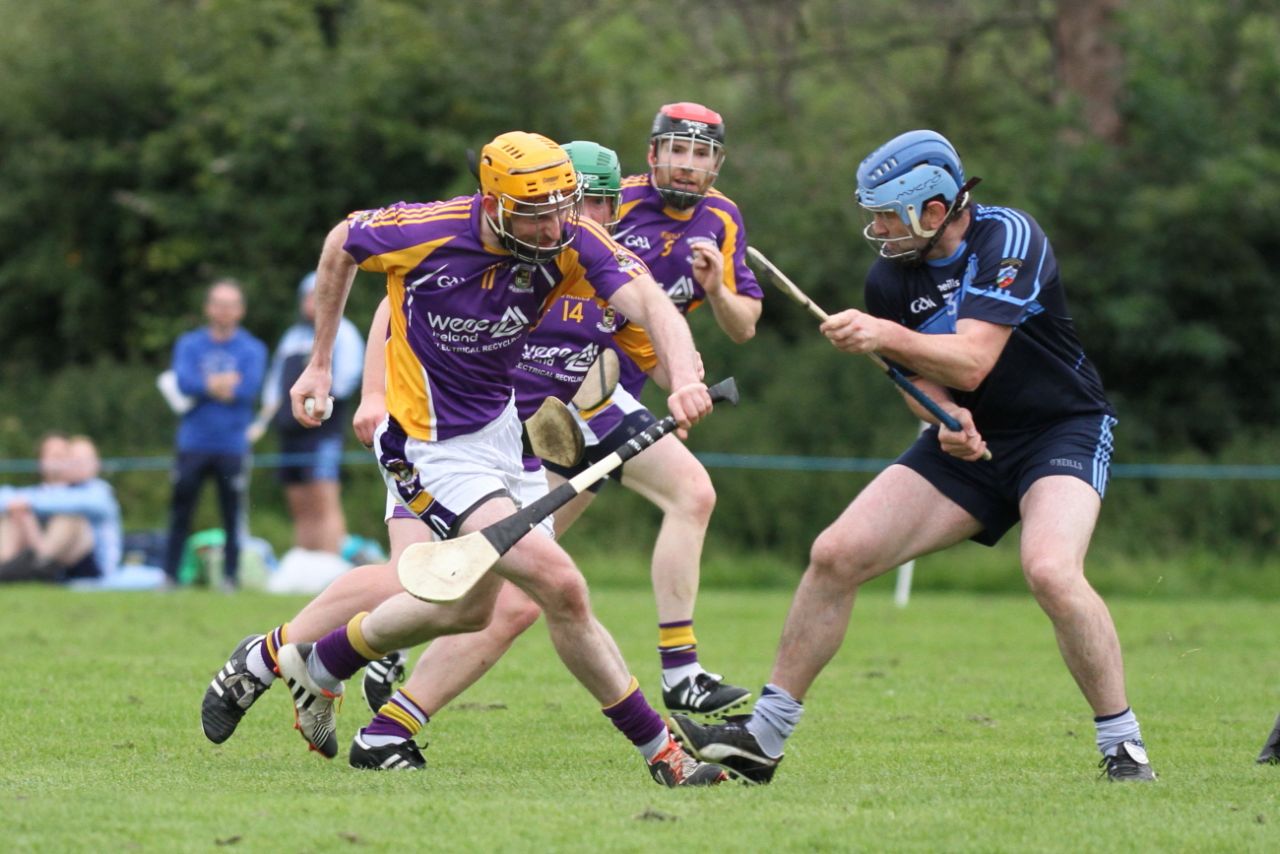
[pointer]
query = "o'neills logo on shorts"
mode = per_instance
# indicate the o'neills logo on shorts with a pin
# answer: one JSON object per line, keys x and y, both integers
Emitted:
{"x": 1065, "y": 463}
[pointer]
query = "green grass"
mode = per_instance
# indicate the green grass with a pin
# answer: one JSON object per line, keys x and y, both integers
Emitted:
{"x": 950, "y": 725}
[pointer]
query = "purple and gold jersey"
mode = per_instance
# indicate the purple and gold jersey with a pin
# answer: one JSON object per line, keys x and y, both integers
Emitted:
{"x": 460, "y": 311}
{"x": 662, "y": 237}
{"x": 568, "y": 340}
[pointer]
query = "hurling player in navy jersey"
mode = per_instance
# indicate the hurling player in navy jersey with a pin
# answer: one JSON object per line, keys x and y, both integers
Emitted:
{"x": 966, "y": 299}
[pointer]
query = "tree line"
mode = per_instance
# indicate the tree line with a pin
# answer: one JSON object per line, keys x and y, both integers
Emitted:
{"x": 151, "y": 145}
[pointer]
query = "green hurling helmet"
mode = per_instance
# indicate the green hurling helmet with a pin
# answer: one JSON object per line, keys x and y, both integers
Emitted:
{"x": 600, "y": 174}
{"x": 599, "y": 167}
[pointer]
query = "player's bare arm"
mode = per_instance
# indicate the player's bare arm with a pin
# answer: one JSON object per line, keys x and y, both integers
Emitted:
{"x": 966, "y": 443}
{"x": 334, "y": 275}
{"x": 736, "y": 314}
{"x": 961, "y": 360}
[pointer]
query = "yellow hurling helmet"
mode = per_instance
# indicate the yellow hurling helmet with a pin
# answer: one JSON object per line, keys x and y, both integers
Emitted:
{"x": 538, "y": 192}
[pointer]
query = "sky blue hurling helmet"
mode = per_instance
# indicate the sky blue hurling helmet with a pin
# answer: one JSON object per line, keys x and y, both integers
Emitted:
{"x": 904, "y": 173}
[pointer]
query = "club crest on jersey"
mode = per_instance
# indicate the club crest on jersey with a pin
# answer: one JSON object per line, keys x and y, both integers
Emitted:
{"x": 609, "y": 320}
{"x": 626, "y": 261}
{"x": 363, "y": 218}
{"x": 1008, "y": 272}
{"x": 522, "y": 279}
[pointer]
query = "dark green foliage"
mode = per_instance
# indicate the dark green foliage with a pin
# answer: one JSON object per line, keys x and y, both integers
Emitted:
{"x": 147, "y": 146}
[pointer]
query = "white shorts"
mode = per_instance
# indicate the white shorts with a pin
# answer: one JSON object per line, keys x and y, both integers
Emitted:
{"x": 440, "y": 482}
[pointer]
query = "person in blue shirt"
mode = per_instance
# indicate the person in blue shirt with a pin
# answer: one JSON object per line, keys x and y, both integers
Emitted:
{"x": 313, "y": 457}
{"x": 68, "y": 526}
{"x": 966, "y": 299}
{"x": 220, "y": 366}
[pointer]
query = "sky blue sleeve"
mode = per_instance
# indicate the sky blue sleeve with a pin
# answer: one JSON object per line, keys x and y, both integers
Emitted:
{"x": 93, "y": 499}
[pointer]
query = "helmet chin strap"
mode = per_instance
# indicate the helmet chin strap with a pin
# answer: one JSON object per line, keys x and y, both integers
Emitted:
{"x": 958, "y": 206}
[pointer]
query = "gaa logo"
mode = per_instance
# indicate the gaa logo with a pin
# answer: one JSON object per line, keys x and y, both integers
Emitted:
{"x": 681, "y": 293}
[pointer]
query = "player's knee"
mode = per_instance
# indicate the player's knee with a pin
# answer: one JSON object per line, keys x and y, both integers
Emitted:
{"x": 836, "y": 558}
{"x": 1052, "y": 581}
{"x": 516, "y": 614}
{"x": 698, "y": 499}
{"x": 563, "y": 594}
{"x": 471, "y": 618}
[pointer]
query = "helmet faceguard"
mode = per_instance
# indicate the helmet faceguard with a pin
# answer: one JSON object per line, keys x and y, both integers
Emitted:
{"x": 600, "y": 174}
{"x": 901, "y": 177}
{"x": 686, "y": 151}
{"x": 537, "y": 193}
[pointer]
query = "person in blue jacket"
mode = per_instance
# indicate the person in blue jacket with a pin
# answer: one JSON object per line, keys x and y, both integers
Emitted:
{"x": 220, "y": 366}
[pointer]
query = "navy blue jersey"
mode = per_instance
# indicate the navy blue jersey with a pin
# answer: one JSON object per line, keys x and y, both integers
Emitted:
{"x": 1003, "y": 272}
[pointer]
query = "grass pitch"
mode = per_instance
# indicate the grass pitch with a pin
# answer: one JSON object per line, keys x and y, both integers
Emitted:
{"x": 950, "y": 726}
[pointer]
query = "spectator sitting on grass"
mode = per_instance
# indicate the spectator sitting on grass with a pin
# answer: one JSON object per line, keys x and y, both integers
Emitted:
{"x": 66, "y": 527}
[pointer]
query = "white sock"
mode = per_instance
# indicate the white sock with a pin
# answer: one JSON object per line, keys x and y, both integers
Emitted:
{"x": 321, "y": 674}
{"x": 257, "y": 667}
{"x": 673, "y": 676}
{"x": 1114, "y": 730}
{"x": 652, "y": 748}
{"x": 379, "y": 740}
{"x": 774, "y": 719}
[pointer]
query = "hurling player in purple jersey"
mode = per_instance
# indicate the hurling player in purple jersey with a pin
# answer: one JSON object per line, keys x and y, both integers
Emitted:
{"x": 967, "y": 300}
{"x": 555, "y": 358}
{"x": 466, "y": 279}
{"x": 694, "y": 242}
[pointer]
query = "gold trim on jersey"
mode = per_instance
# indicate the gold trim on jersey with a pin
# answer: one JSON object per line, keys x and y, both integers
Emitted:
{"x": 401, "y": 216}
{"x": 403, "y": 260}
{"x": 572, "y": 272}
{"x": 408, "y": 391}
{"x": 728, "y": 248}
{"x": 635, "y": 342}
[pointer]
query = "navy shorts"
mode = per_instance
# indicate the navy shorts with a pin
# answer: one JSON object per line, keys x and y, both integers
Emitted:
{"x": 632, "y": 423}
{"x": 324, "y": 463}
{"x": 989, "y": 490}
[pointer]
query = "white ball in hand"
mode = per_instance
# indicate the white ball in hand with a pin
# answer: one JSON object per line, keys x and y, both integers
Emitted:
{"x": 309, "y": 406}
